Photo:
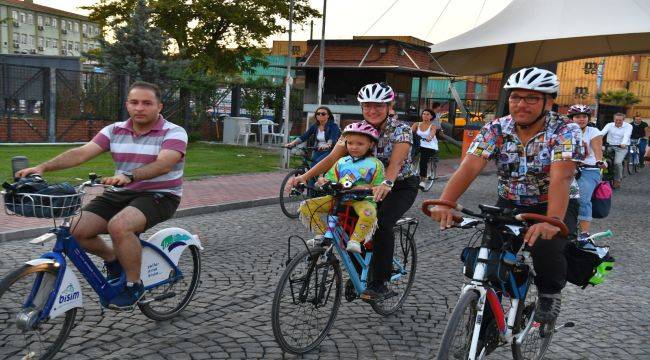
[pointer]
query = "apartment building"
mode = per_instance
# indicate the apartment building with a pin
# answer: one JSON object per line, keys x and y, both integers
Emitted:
{"x": 30, "y": 28}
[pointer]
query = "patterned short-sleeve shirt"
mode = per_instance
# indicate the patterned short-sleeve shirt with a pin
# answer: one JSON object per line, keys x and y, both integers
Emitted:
{"x": 394, "y": 132}
{"x": 524, "y": 169}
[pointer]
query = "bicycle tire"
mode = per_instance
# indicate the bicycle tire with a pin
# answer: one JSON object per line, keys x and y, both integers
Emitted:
{"x": 151, "y": 310}
{"x": 283, "y": 338}
{"x": 287, "y": 198}
{"x": 406, "y": 254}
{"x": 10, "y": 333}
{"x": 468, "y": 301}
{"x": 528, "y": 349}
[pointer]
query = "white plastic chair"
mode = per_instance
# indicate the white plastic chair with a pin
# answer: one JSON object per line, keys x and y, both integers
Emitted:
{"x": 266, "y": 127}
{"x": 245, "y": 132}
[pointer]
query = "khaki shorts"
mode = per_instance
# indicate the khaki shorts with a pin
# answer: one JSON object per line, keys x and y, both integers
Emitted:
{"x": 156, "y": 206}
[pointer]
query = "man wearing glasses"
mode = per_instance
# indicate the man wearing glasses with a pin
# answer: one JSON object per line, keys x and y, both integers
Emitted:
{"x": 535, "y": 152}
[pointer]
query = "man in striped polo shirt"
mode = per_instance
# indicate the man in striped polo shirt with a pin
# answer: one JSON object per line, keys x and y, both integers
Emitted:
{"x": 149, "y": 155}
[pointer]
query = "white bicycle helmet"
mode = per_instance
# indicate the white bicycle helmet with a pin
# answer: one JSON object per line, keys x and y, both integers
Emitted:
{"x": 535, "y": 79}
{"x": 377, "y": 92}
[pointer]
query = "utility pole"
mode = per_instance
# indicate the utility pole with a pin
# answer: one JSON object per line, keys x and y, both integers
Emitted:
{"x": 287, "y": 91}
{"x": 321, "y": 62}
{"x": 599, "y": 85}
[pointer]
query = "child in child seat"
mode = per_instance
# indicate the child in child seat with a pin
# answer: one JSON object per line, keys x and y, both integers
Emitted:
{"x": 358, "y": 170}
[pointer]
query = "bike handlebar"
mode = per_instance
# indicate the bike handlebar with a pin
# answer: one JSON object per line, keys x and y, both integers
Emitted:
{"x": 524, "y": 217}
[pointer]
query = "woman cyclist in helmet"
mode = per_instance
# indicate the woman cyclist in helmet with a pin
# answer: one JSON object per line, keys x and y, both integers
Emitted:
{"x": 590, "y": 166}
{"x": 398, "y": 190}
{"x": 535, "y": 151}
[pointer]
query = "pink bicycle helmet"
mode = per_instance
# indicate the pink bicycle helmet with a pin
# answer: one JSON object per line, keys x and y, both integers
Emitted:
{"x": 362, "y": 128}
{"x": 579, "y": 109}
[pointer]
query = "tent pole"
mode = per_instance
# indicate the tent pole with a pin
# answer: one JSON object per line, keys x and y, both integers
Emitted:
{"x": 507, "y": 69}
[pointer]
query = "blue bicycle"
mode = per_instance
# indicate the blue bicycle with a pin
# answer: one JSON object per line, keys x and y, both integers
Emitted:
{"x": 308, "y": 295}
{"x": 39, "y": 300}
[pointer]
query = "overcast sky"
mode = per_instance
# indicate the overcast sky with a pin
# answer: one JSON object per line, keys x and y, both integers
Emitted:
{"x": 346, "y": 18}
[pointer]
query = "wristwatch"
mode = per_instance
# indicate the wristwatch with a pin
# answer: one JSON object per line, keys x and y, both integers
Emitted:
{"x": 388, "y": 183}
{"x": 129, "y": 175}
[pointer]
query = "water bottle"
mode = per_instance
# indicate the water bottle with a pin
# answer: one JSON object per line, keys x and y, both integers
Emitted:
{"x": 19, "y": 163}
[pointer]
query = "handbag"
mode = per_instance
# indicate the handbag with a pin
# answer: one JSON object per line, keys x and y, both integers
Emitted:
{"x": 601, "y": 200}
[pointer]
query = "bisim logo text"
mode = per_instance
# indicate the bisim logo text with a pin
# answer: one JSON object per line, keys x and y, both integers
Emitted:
{"x": 68, "y": 294}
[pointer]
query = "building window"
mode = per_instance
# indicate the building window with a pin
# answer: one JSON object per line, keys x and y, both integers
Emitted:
{"x": 70, "y": 45}
{"x": 23, "y": 39}
{"x": 48, "y": 21}
{"x": 55, "y": 43}
{"x": 14, "y": 14}
{"x": 39, "y": 20}
{"x": 76, "y": 27}
{"x": 16, "y": 37}
{"x": 84, "y": 29}
{"x": 32, "y": 40}
{"x": 23, "y": 17}
{"x": 62, "y": 24}
{"x": 48, "y": 43}
{"x": 69, "y": 25}
{"x": 30, "y": 19}
{"x": 54, "y": 22}
{"x": 76, "y": 46}
{"x": 41, "y": 41}
{"x": 64, "y": 44}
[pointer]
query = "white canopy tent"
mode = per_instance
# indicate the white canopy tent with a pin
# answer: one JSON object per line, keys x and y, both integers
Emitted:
{"x": 531, "y": 32}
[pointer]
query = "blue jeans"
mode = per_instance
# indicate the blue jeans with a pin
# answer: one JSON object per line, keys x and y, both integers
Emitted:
{"x": 643, "y": 142}
{"x": 587, "y": 183}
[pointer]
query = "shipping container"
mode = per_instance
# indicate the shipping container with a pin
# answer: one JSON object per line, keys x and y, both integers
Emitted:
{"x": 280, "y": 47}
{"x": 643, "y": 112}
{"x": 493, "y": 89}
{"x": 641, "y": 89}
{"x": 616, "y": 68}
{"x": 495, "y": 76}
{"x": 470, "y": 90}
{"x": 644, "y": 67}
{"x": 584, "y": 91}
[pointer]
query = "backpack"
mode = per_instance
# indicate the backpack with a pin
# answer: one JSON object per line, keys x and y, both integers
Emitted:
{"x": 601, "y": 200}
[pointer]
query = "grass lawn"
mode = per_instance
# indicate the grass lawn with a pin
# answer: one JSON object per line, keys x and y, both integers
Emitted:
{"x": 202, "y": 160}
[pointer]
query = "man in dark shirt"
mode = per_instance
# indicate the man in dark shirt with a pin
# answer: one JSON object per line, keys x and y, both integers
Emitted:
{"x": 639, "y": 132}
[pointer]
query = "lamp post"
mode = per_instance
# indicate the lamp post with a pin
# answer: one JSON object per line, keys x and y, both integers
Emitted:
{"x": 287, "y": 92}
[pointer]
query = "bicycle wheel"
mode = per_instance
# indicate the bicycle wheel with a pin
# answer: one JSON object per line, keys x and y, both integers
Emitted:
{"x": 26, "y": 338}
{"x": 306, "y": 301}
{"x": 166, "y": 301}
{"x": 404, "y": 264}
{"x": 533, "y": 345}
{"x": 290, "y": 199}
{"x": 457, "y": 338}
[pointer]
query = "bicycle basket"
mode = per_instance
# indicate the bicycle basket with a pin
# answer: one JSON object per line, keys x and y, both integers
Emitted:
{"x": 49, "y": 202}
{"x": 587, "y": 264}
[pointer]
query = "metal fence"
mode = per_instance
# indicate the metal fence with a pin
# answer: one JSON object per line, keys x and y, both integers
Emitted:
{"x": 54, "y": 105}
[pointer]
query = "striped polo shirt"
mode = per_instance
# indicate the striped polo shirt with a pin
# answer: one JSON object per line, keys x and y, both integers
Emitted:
{"x": 131, "y": 151}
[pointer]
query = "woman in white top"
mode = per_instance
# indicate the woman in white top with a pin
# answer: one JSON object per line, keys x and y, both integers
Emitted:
{"x": 426, "y": 130}
{"x": 590, "y": 166}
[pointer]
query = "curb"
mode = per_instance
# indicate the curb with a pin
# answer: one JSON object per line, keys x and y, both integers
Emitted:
{"x": 193, "y": 211}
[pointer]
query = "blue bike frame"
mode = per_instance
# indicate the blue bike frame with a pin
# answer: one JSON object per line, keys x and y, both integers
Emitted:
{"x": 67, "y": 245}
{"x": 340, "y": 239}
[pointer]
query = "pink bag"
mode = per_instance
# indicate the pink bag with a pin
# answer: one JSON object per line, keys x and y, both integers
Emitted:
{"x": 601, "y": 200}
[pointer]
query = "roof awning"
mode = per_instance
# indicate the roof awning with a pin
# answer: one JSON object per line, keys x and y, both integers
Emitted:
{"x": 546, "y": 31}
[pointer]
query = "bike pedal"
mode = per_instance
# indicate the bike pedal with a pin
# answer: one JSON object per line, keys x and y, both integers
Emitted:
{"x": 165, "y": 296}
{"x": 568, "y": 324}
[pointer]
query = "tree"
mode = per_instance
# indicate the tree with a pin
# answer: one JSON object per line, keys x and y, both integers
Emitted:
{"x": 619, "y": 98}
{"x": 259, "y": 92}
{"x": 216, "y": 36}
{"x": 139, "y": 47}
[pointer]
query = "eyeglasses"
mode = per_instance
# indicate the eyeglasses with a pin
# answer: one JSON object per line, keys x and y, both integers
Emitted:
{"x": 391, "y": 115}
{"x": 530, "y": 100}
{"x": 321, "y": 113}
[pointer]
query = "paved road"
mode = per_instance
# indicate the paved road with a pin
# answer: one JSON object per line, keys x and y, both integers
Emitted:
{"x": 230, "y": 316}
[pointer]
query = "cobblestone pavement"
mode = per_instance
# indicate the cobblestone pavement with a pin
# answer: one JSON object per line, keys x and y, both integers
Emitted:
{"x": 242, "y": 263}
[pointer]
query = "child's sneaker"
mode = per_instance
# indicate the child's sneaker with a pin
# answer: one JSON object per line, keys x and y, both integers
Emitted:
{"x": 316, "y": 241}
{"x": 354, "y": 247}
